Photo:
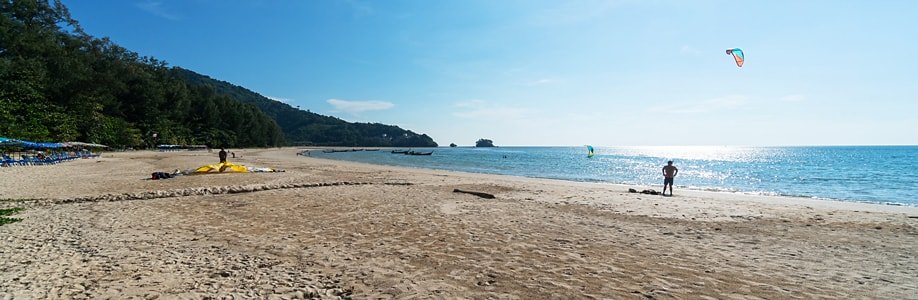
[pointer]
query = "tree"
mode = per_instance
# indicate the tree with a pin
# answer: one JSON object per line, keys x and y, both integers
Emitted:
{"x": 58, "y": 83}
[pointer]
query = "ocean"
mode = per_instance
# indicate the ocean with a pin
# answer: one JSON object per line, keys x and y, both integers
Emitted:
{"x": 875, "y": 174}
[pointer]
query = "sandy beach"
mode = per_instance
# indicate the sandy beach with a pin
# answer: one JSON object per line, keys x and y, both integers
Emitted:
{"x": 98, "y": 229}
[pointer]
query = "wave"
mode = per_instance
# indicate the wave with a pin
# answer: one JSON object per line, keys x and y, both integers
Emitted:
{"x": 790, "y": 195}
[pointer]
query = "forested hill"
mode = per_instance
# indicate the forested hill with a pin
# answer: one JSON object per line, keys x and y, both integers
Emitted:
{"x": 58, "y": 83}
{"x": 307, "y": 128}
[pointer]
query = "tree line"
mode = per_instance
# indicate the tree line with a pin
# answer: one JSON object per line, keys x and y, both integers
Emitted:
{"x": 58, "y": 83}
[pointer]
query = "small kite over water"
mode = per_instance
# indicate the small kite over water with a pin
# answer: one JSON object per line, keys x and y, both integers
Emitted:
{"x": 589, "y": 151}
{"x": 737, "y": 55}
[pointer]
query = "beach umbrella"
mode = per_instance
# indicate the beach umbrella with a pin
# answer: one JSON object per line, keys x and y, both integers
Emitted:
{"x": 35, "y": 145}
{"x": 7, "y": 142}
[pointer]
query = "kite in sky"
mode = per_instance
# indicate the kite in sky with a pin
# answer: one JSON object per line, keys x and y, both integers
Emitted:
{"x": 737, "y": 55}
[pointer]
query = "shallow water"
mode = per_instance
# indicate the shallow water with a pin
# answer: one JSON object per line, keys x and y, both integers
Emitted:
{"x": 878, "y": 174}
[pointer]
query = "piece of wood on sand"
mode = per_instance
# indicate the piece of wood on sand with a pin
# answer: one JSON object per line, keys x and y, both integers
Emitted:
{"x": 479, "y": 194}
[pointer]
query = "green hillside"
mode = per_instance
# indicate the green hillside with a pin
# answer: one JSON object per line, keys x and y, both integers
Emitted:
{"x": 58, "y": 83}
{"x": 308, "y": 128}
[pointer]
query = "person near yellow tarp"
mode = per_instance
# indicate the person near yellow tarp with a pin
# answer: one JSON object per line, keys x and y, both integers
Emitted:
{"x": 226, "y": 167}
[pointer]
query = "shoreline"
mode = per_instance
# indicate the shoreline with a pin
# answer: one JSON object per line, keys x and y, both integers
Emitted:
{"x": 335, "y": 229}
{"x": 779, "y": 199}
{"x": 895, "y": 201}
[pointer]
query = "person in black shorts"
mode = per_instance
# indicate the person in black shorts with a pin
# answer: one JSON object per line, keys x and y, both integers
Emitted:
{"x": 669, "y": 172}
{"x": 222, "y": 155}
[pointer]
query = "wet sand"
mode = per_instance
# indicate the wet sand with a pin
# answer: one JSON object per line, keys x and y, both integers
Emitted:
{"x": 331, "y": 229}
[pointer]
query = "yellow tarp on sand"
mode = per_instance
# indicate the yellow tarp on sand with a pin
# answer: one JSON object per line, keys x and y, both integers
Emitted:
{"x": 224, "y": 167}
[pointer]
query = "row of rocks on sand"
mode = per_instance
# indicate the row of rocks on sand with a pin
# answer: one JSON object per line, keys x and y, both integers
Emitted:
{"x": 197, "y": 191}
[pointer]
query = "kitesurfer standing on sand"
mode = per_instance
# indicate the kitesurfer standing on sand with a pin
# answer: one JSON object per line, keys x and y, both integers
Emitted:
{"x": 669, "y": 173}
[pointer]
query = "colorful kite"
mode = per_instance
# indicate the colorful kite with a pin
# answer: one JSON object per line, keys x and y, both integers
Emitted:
{"x": 589, "y": 151}
{"x": 737, "y": 55}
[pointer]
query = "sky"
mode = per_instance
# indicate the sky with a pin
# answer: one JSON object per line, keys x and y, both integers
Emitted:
{"x": 545, "y": 73}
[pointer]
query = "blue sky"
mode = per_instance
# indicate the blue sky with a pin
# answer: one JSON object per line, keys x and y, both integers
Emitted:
{"x": 611, "y": 73}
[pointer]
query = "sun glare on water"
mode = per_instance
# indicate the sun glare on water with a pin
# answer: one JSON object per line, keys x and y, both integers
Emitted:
{"x": 707, "y": 153}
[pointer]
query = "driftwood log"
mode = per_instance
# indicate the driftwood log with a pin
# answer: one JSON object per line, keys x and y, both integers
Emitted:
{"x": 479, "y": 194}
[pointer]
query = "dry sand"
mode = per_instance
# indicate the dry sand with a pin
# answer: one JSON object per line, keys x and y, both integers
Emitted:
{"x": 329, "y": 229}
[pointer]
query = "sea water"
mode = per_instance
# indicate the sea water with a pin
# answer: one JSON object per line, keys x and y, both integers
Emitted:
{"x": 877, "y": 174}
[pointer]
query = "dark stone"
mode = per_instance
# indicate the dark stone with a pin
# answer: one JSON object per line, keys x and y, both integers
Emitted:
{"x": 650, "y": 192}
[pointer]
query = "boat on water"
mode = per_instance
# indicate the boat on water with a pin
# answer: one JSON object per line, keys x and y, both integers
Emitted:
{"x": 337, "y": 150}
{"x": 418, "y": 153}
{"x": 399, "y": 151}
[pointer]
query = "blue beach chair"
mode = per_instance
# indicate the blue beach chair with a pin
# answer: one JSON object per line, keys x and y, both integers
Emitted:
{"x": 8, "y": 161}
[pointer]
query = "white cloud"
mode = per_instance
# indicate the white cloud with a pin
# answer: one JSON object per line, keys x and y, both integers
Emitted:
{"x": 157, "y": 9}
{"x": 573, "y": 12}
{"x": 285, "y": 100}
{"x": 492, "y": 112}
{"x": 542, "y": 81}
{"x": 354, "y": 107}
{"x": 686, "y": 49}
{"x": 474, "y": 103}
{"x": 730, "y": 102}
{"x": 360, "y": 8}
{"x": 476, "y": 108}
{"x": 793, "y": 98}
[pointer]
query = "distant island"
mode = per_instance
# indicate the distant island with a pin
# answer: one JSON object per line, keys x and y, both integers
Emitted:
{"x": 484, "y": 143}
{"x": 452, "y": 145}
